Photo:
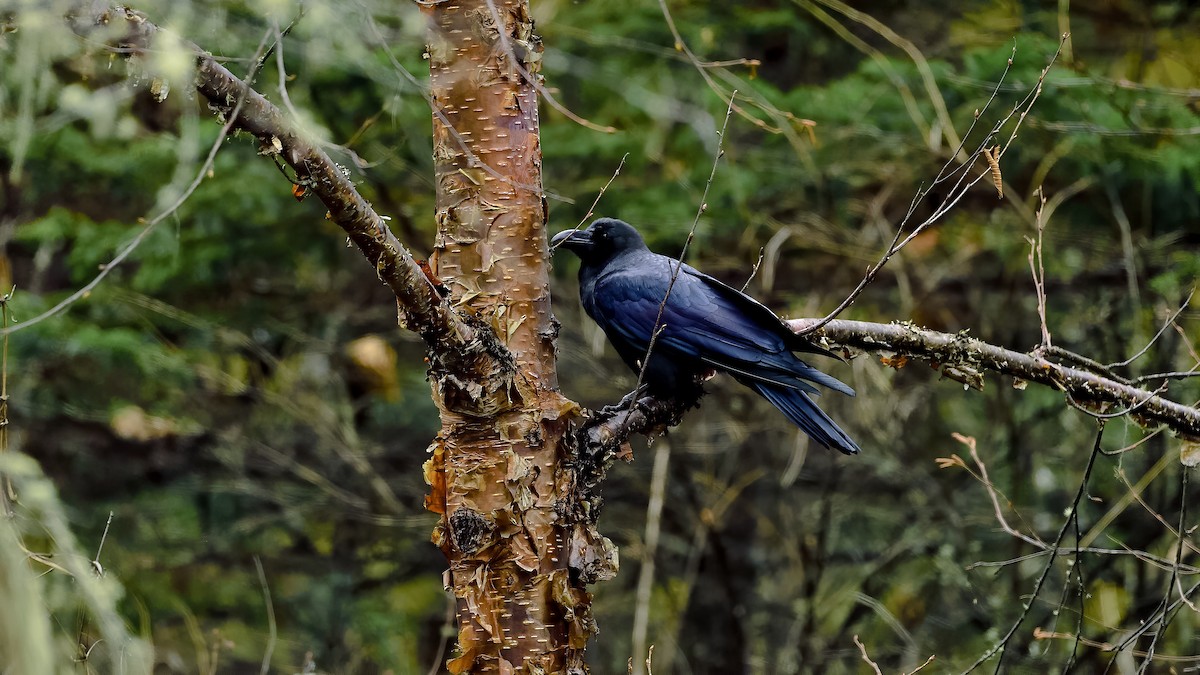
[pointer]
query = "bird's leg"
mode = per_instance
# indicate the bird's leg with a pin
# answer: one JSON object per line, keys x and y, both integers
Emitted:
{"x": 626, "y": 403}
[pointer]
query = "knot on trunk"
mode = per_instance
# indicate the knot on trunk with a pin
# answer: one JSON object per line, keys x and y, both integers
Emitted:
{"x": 471, "y": 531}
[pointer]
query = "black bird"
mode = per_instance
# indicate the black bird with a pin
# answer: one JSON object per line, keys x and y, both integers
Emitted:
{"x": 705, "y": 326}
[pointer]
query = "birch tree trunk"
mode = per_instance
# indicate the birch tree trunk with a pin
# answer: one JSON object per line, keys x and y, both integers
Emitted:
{"x": 497, "y": 471}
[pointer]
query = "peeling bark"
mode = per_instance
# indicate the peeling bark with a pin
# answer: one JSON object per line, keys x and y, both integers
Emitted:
{"x": 518, "y": 561}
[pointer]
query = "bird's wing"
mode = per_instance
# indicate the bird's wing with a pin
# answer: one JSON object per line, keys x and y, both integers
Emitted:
{"x": 761, "y": 312}
{"x": 769, "y": 324}
{"x": 702, "y": 323}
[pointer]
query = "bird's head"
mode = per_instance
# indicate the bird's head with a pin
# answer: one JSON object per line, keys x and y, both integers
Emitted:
{"x": 603, "y": 239}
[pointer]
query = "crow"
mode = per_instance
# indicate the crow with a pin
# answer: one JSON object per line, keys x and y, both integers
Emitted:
{"x": 705, "y": 326}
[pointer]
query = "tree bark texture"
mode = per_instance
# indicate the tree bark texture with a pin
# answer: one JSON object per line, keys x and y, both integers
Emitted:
{"x": 497, "y": 469}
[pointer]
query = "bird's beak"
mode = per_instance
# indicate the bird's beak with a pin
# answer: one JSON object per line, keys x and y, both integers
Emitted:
{"x": 575, "y": 240}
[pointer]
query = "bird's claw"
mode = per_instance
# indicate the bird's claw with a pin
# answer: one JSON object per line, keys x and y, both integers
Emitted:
{"x": 628, "y": 402}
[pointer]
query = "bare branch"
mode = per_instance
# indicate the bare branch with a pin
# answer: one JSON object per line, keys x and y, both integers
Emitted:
{"x": 423, "y": 308}
{"x": 863, "y": 650}
{"x": 958, "y": 357}
{"x": 965, "y": 359}
{"x": 1001, "y": 647}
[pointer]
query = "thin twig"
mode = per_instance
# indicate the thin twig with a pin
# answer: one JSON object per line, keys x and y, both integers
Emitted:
{"x": 1038, "y": 269}
{"x": 592, "y": 209}
{"x": 1041, "y": 634}
{"x": 150, "y": 226}
{"x": 1002, "y": 646}
{"x": 96, "y": 567}
{"x": 1173, "y": 375}
{"x": 658, "y": 324}
{"x": 1162, "y": 626}
{"x": 1167, "y": 324}
{"x": 1145, "y": 626}
{"x": 922, "y": 666}
{"x": 1156, "y": 561}
{"x": 993, "y": 493}
{"x": 1135, "y": 491}
{"x": 279, "y": 65}
{"x": 961, "y": 185}
{"x": 863, "y": 650}
{"x": 762, "y": 252}
{"x": 1116, "y": 413}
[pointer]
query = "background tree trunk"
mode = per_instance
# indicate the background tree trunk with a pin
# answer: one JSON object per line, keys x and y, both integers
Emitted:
{"x": 496, "y": 470}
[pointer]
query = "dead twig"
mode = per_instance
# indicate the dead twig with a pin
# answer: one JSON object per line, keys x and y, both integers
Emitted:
{"x": 1001, "y": 647}
{"x": 1035, "y": 256}
{"x": 1167, "y": 324}
{"x": 863, "y": 650}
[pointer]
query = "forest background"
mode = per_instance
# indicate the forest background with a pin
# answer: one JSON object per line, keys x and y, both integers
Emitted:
{"x": 237, "y": 395}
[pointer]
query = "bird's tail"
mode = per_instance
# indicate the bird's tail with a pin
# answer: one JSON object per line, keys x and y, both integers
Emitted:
{"x": 805, "y": 414}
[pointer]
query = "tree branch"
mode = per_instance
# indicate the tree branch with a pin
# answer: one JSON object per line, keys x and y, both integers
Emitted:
{"x": 423, "y": 308}
{"x": 957, "y": 356}
{"x": 965, "y": 359}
